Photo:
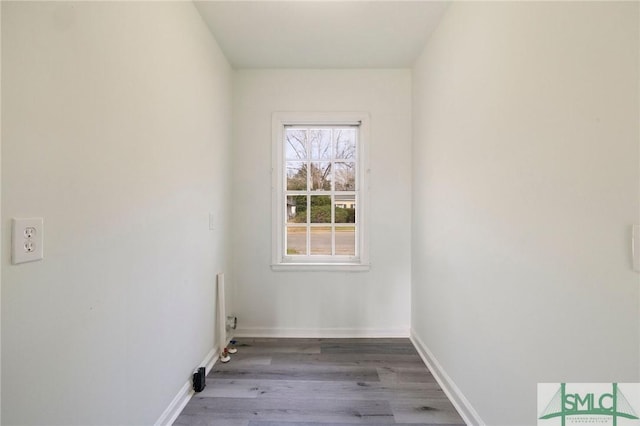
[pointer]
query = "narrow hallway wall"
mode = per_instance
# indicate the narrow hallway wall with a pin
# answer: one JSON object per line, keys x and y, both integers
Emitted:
{"x": 525, "y": 187}
{"x": 375, "y": 302}
{"x": 116, "y": 130}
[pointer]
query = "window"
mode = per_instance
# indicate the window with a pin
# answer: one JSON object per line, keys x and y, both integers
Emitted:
{"x": 320, "y": 191}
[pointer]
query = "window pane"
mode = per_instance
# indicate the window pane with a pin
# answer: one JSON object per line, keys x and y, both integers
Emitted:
{"x": 296, "y": 209}
{"x": 346, "y": 241}
{"x": 296, "y": 144}
{"x": 321, "y": 240}
{"x": 321, "y": 176}
{"x": 296, "y": 176}
{"x": 320, "y": 140}
{"x": 345, "y": 142}
{"x": 319, "y": 192}
{"x": 320, "y": 209}
{"x": 345, "y": 176}
{"x": 345, "y": 206}
{"x": 297, "y": 240}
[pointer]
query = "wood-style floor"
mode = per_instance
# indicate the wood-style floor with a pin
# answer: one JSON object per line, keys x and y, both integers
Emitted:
{"x": 314, "y": 382}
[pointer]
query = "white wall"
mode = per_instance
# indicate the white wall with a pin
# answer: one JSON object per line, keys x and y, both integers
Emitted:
{"x": 0, "y": 220}
{"x": 322, "y": 303}
{"x": 525, "y": 186}
{"x": 116, "y": 130}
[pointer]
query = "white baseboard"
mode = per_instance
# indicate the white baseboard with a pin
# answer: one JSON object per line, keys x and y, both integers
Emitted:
{"x": 320, "y": 332}
{"x": 459, "y": 401}
{"x": 185, "y": 393}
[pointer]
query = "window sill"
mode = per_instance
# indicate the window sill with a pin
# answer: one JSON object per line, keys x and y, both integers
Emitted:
{"x": 321, "y": 267}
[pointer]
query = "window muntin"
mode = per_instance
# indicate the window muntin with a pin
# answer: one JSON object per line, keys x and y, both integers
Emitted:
{"x": 319, "y": 192}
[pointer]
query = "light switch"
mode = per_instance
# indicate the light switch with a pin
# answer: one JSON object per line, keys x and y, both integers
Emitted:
{"x": 635, "y": 247}
{"x": 26, "y": 240}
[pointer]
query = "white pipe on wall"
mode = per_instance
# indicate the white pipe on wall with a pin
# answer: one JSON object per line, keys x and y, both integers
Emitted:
{"x": 222, "y": 320}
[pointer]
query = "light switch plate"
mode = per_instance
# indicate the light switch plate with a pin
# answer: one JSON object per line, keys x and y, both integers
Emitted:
{"x": 635, "y": 247}
{"x": 27, "y": 239}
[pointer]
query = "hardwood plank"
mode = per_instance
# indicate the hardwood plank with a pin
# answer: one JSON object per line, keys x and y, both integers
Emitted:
{"x": 275, "y": 341}
{"x": 248, "y": 359}
{"x": 207, "y": 420}
{"x": 390, "y": 375}
{"x": 307, "y": 372}
{"x": 361, "y": 348}
{"x": 395, "y": 341}
{"x": 318, "y": 410}
{"x": 348, "y": 359}
{"x": 294, "y": 389}
{"x": 231, "y": 388}
{"x": 426, "y": 411}
{"x": 270, "y": 345}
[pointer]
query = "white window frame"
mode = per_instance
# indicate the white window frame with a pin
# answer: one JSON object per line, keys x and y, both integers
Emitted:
{"x": 282, "y": 262}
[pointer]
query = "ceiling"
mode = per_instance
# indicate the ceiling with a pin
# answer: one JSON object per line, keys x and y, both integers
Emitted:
{"x": 321, "y": 34}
